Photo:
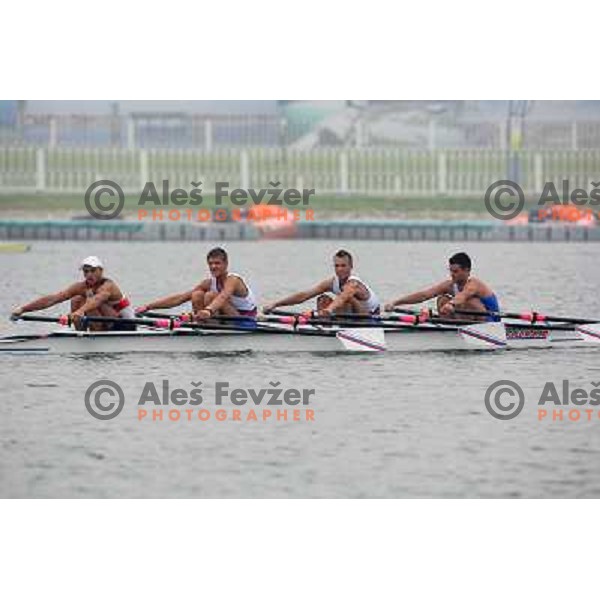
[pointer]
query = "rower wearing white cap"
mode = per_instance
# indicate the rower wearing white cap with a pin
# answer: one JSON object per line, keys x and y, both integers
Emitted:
{"x": 94, "y": 296}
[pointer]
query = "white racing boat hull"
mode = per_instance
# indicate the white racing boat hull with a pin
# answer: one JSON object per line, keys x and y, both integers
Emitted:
{"x": 305, "y": 339}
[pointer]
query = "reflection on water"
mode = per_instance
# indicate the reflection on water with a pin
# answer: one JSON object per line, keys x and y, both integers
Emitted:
{"x": 386, "y": 425}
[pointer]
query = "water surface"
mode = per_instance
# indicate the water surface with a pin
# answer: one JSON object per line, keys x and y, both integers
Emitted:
{"x": 390, "y": 425}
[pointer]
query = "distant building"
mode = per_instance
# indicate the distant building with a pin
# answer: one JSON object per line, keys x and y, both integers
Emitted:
{"x": 9, "y": 112}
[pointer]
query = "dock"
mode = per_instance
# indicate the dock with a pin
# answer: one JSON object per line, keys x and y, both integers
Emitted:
{"x": 437, "y": 231}
{"x": 94, "y": 230}
{"x": 12, "y": 231}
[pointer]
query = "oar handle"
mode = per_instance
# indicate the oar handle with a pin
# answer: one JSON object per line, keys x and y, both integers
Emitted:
{"x": 62, "y": 319}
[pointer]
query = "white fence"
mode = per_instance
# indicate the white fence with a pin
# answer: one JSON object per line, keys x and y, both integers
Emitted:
{"x": 382, "y": 172}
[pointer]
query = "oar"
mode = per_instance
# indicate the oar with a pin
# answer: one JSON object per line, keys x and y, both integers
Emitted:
{"x": 188, "y": 317}
{"x": 286, "y": 318}
{"x": 589, "y": 332}
{"x": 174, "y": 323}
{"x": 207, "y": 325}
{"x": 311, "y": 317}
{"x": 532, "y": 317}
{"x": 407, "y": 317}
{"x": 61, "y": 320}
{"x": 159, "y": 315}
{"x": 365, "y": 333}
{"x": 67, "y": 320}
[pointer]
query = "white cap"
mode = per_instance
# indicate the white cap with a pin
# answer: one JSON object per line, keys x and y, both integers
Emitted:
{"x": 92, "y": 261}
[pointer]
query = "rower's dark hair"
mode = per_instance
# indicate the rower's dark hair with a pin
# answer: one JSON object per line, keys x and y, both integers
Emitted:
{"x": 344, "y": 254}
{"x": 217, "y": 253}
{"x": 462, "y": 259}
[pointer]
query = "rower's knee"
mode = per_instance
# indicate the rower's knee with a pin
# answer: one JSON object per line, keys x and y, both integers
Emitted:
{"x": 77, "y": 302}
{"x": 198, "y": 299}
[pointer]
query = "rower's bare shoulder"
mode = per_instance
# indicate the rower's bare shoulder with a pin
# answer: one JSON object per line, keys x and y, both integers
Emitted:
{"x": 237, "y": 282}
{"x": 444, "y": 287}
{"x": 204, "y": 285}
{"x": 326, "y": 285}
{"x": 108, "y": 285}
{"x": 475, "y": 284}
{"x": 483, "y": 288}
{"x": 78, "y": 288}
{"x": 112, "y": 285}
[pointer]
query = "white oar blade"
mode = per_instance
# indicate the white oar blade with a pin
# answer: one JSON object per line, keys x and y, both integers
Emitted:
{"x": 485, "y": 336}
{"x": 362, "y": 339}
{"x": 589, "y": 333}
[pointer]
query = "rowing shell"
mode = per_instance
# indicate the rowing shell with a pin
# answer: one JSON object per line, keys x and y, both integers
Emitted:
{"x": 277, "y": 339}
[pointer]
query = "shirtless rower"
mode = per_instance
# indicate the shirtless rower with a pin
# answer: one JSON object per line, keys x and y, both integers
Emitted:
{"x": 222, "y": 293}
{"x": 94, "y": 296}
{"x": 460, "y": 292}
{"x": 352, "y": 295}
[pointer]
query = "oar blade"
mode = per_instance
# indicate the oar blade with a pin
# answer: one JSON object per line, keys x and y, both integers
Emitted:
{"x": 589, "y": 333}
{"x": 484, "y": 336}
{"x": 363, "y": 339}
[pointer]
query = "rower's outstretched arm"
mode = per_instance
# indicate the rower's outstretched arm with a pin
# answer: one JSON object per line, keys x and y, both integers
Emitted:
{"x": 175, "y": 299}
{"x": 422, "y": 296}
{"x": 49, "y": 300}
{"x": 300, "y": 297}
{"x": 170, "y": 301}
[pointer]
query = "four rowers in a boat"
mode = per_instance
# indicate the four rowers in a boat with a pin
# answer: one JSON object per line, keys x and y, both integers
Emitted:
{"x": 94, "y": 296}
{"x": 351, "y": 294}
{"x": 222, "y": 293}
{"x": 461, "y": 292}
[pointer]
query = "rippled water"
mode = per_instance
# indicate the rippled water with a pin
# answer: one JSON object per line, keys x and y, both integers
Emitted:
{"x": 385, "y": 425}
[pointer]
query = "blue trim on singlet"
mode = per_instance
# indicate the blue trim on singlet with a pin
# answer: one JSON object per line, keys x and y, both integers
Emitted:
{"x": 491, "y": 305}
